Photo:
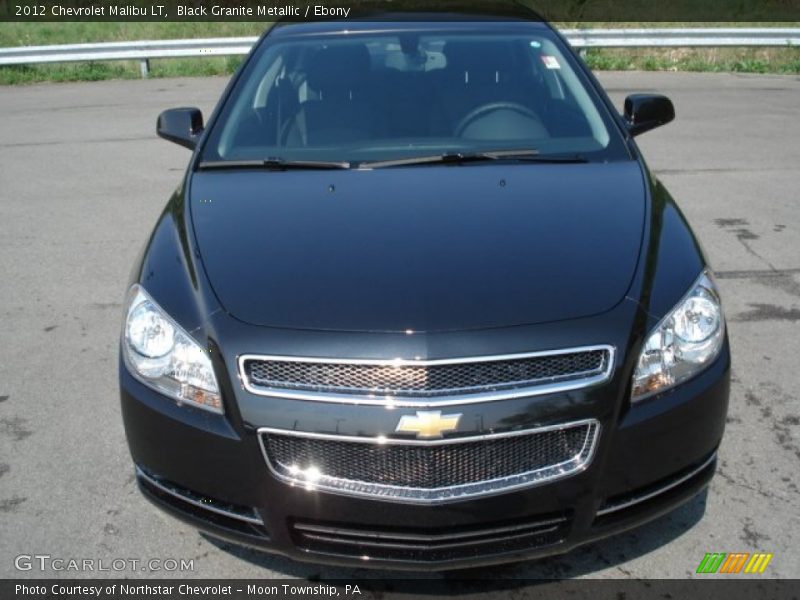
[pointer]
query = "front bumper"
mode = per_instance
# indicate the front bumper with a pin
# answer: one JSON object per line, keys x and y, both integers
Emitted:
{"x": 209, "y": 471}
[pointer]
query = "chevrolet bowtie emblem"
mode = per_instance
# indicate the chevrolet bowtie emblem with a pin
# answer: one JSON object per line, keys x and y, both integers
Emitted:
{"x": 428, "y": 425}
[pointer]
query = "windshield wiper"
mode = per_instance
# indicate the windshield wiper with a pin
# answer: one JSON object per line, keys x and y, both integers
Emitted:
{"x": 467, "y": 157}
{"x": 275, "y": 164}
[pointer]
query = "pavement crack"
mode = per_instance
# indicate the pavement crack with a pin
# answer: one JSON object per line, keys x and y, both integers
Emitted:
{"x": 15, "y": 428}
{"x": 755, "y": 273}
{"x": 11, "y": 504}
{"x": 752, "y": 537}
{"x": 723, "y": 223}
{"x": 731, "y": 481}
{"x": 739, "y": 227}
{"x": 768, "y": 312}
{"x": 75, "y": 142}
{"x": 743, "y": 237}
{"x": 712, "y": 170}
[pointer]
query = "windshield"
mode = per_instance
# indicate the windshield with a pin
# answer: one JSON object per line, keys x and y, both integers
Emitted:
{"x": 372, "y": 97}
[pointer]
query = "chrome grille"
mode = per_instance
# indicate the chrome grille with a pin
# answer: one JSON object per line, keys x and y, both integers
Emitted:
{"x": 433, "y": 380}
{"x": 429, "y": 471}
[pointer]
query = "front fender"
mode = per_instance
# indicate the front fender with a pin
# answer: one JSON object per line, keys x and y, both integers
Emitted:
{"x": 170, "y": 269}
{"x": 673, "y": 257}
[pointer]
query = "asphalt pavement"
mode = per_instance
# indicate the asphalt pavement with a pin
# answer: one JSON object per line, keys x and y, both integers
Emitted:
{"x": 82, "y": 180}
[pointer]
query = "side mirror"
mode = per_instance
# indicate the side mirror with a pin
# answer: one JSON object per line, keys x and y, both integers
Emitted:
{"x": 181, "y": 125}
{"x": 644, "y": 112}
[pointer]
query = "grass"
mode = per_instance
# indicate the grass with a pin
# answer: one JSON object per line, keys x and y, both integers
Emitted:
{"x": 97, "y": 71}
{"x": 747, "y": 60}
{"x": 44, "y": 34}
{"x": 724, "y": 60}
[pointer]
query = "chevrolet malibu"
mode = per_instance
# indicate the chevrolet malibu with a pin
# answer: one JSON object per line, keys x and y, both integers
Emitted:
{"x": 418, "y": 302}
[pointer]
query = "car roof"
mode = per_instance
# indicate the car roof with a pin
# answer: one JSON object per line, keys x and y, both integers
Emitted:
{"x": 457, "y": 14}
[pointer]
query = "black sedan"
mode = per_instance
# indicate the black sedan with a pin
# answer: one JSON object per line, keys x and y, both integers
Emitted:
{"x": 418, "y": 302}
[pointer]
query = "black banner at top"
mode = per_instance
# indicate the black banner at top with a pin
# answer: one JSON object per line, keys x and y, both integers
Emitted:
{"x": 570, "y": 11}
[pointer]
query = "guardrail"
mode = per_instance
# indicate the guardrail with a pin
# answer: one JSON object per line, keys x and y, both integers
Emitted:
{"x": 140, "y": 51}
{"x": 582, "y": 39}
{"x": 684, "y": 37}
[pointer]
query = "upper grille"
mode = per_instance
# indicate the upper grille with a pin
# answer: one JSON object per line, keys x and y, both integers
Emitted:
{"x": 425, "y": 379}
{"x": 414, "y": 471}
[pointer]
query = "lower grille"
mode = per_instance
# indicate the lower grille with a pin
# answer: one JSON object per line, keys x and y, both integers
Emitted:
{"x": 429, "y": 471}
{"x": 428, "y": 545}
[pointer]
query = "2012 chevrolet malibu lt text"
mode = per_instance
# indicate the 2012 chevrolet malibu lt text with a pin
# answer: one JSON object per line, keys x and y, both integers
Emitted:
{"x": 419, "y": 303}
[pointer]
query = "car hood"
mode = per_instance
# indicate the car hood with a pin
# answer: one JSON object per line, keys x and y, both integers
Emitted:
{"x": 420, "y": 249}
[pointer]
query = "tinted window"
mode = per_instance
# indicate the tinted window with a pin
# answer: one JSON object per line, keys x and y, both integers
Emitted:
{"x": 368, "y": 97}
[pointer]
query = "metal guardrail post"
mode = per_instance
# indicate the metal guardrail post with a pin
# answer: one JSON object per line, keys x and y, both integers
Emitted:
{"x": 144, "y": 67}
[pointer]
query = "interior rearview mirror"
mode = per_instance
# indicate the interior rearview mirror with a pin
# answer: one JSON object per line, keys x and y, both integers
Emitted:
{"x": 181, "y": 125}
{"x": 644, "y": 112}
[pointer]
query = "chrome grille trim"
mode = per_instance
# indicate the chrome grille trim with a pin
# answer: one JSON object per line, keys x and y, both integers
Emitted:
{"x": 343, "y": 533}
{"x": 438, "y": 495}
{"x": 379, "y": 543}
{"x": 422, "y": 545}
{"x": 612, "y": 508}
{"x": 195, "y": 500}
{"x": 469, "y": 395}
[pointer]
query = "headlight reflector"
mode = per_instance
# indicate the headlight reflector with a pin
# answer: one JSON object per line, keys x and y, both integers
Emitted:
{"x": 687, "y": 340}
{"x": 149, "y": 333}
{"x": 163, "y": 356}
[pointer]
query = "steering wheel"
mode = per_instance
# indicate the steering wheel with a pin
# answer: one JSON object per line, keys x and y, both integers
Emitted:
{"x": 484, "y": 109}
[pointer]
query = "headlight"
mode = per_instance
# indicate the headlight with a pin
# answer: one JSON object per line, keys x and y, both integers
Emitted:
{"x": 163, "y": 356}
{"x": 686, "y": 341}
